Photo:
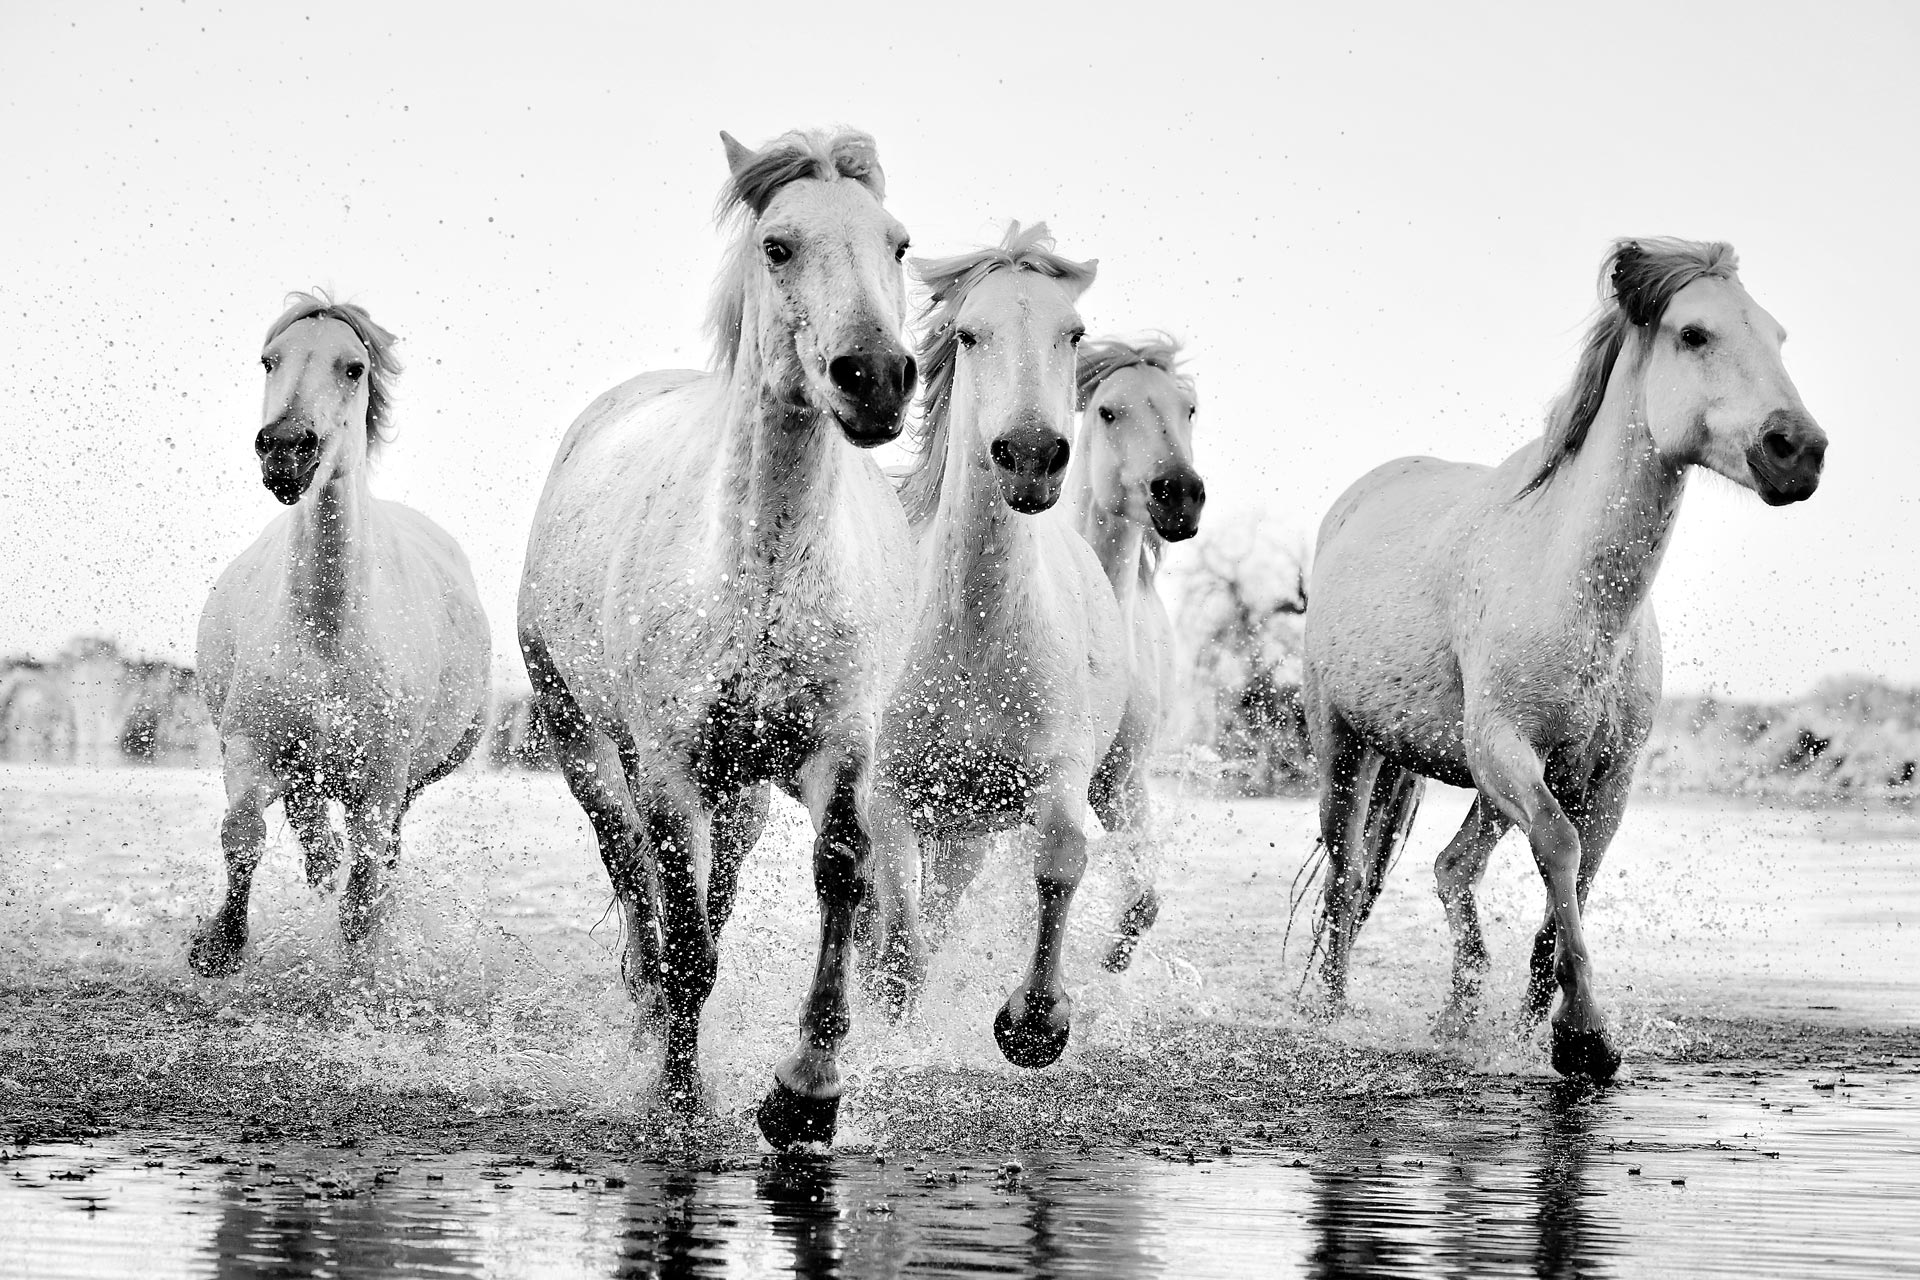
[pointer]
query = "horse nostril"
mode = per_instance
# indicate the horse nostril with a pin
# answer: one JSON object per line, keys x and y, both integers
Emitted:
{"x": 850, "y": 375}
{"x": 1815, "y": 455}
{"x": 1199, "y": 491}
{"x": 1780, "y": 445}
{"x": 1002, "y": 453}
{"x": 909, "y": 374}
{"x": 1057, "y": 458}
{"x": 308, "y": 442}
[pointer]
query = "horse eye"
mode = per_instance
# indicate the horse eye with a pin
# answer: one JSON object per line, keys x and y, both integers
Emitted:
{"x": 1192, "y": 409}
{"x": 965, "y": 338}
{"x": 900, "y": 254}
{"x": 267, "y": 363}
{"x": 1106, "y": 414}
{"x": 1693, "y": 339}
{"x": 354, "y": 371}
{"x": 777, "y": 253}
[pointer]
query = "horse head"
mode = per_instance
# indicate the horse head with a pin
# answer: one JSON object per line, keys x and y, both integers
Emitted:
{"x": 1715, "y": 389}
{"x": 815, "y": 287}
{"x": 1001, "y": 367}
{"x": 1136, "y": 438}
{"x": 329, "y": 367}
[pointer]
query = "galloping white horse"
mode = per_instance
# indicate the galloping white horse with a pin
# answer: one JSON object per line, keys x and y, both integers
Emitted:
{"x": 1132, "y": 488}
{"x": 1490, "y": 627}
{"x": 1016, "y": 675}
{"x": 714, "y": 593}
{"x": 344, "y": 655}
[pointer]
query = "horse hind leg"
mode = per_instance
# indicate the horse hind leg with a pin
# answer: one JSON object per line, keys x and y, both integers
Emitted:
{"x": 595, "y": 775}
{"x": 373, "y": 842}
{"x": 307, "y": 813}
{"x": 1126, "y": 812}
{"x": 893, "y": 966}
{"x": 251, "y": 787}
{"x": 737, "y": 824}
{"x": 1457, "y": 873}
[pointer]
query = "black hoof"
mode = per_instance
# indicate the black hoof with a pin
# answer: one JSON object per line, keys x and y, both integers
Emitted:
{"x": 788, "y": 1119}
{"x": 1588, "y": 1054}
{"x": 216, "y": 952}
{"x": 1033, "y": 1042}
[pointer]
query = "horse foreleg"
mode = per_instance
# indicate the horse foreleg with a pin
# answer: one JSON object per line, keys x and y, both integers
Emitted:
{"x": 1457, "y": 872}
{"x": 251, "y": 787}
{"x": 373, "y": 842}
{"x": 1033, "y": 1025}
{"x": 1508, "y": 769}
{"x": 1596, "y": 817}
{"x": 674, "y": 834}
{"x": 307, "y": 812}
{"x": 895, "y": 962}
{"x": 736, "y": 829}
{"x": 1126, "y": 812}
{"x": 804, "y": 1103}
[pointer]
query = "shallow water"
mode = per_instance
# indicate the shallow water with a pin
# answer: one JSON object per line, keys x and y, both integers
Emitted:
{"x": 1746, "y": 954}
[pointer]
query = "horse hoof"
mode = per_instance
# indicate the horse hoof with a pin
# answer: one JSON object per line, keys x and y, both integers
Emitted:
{"x": 215, "y": 953}
{"x": 1033, "y": 1042}
{"x": 1584, "y": 1053}
{"x": 788, "y": 1119}
{"x": 1119, "y": 955}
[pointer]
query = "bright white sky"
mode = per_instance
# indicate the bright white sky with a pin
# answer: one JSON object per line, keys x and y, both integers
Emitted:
{"x": 1378, "y": 228}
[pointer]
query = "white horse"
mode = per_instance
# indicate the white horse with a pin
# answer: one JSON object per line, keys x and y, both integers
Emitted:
{"x": 1490, "y": 626}
{"x": 714, "y": 593}
{"x": 1132, "y": 488}
{"x": 344, "y": 655}
{"x": 1016, "y": 675}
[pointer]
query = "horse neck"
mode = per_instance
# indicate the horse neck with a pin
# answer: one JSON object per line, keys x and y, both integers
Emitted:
{"x": 778, "y": 470}
{"x": 328, "y": 553}
{"x": 985, "y": 555}
{"x": 1612, "y": 511}
{"x": 1117, "y": 542}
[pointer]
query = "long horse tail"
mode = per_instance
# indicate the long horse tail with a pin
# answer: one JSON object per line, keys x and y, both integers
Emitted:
{"x": 1391, "y": 807}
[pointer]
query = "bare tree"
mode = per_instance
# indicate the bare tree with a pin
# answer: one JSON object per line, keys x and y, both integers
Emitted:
{"x": 1242, "y": 598}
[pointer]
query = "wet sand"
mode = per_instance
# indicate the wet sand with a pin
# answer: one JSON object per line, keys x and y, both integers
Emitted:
{"x": 1754, "y": 960}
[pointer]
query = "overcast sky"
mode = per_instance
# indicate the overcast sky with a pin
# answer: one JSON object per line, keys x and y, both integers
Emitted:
{"x": 1377, "y": 228}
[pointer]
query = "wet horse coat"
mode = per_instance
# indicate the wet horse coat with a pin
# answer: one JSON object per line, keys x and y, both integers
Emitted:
{"x": 344, "y": 655}
{"x": 1014, "y": 682}
{"x": 1490, "y": 626}
{"x": 714, "y": 588}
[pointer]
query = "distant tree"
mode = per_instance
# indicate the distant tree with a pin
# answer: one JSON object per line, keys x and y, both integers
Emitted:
{"x": 1242, "y": 602}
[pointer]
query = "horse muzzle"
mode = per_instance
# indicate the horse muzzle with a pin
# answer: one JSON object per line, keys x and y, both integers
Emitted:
{"x": 1031, "y": 461}
{"x": 288, "y": 459}
{"x": 1174, "y": 501}
{"x": 1787, "y": 458}
{"x": 871, "y": 391}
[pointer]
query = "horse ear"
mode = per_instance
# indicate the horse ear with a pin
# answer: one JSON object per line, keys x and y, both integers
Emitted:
{"x": 738, "y": 156}
{"x": 1078, "y": 283}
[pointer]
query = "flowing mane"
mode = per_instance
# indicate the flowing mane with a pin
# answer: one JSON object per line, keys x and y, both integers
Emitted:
{"x": 382, "y": 365}
{"x": 948, "y": 282}
{"x": 1102, "y": 359}
{"x": 803, "y": 154}
{"x": 1638, "y": 278}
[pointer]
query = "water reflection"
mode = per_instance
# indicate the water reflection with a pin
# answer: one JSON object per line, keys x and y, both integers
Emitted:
{"x": 1506, "y": 1182}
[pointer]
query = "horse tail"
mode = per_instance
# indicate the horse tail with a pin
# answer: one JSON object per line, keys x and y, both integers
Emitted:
{"x": 1391, "y": 807}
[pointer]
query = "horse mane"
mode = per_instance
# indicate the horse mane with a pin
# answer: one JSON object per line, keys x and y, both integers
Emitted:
{"x": 948, "y": 282}
{"x": 1101, "y": 359}
{"x": 802, "y": 154}
{"x": 382, "y": 365}
{"x": 1638, "y": 278}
